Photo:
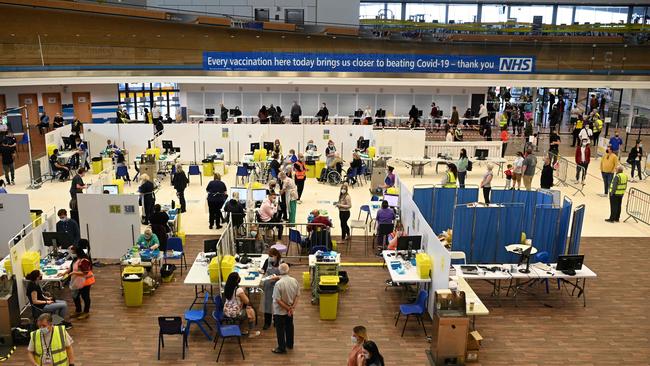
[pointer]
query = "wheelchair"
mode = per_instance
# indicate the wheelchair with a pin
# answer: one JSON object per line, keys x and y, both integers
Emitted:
{"x": 331, "y": 176}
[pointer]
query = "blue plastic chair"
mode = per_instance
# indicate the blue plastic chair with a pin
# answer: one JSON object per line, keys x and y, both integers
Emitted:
{"x": 297, "y": 238}
{"x": 366, "y": 209}
{"x": 374, "y": 198}
{"x": 194, "y": 170}
{"x": 225, "y": 332}
{"x": 242, "y": 172}
{"x": 197, "y": 317}
{"x": 122, "y": 172}
{"x": 418, "y": 309}
{"x": 176, "y": 244}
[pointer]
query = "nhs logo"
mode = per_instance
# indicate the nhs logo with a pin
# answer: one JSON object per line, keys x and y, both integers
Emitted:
{"x": 516, "y": 64}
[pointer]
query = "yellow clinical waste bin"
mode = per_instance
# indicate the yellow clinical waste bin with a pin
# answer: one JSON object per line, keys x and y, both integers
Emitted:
{"x": 120, "y": 185}
{"x": 208, "y": 167}
{"x": 226, "y": 265}
{"x": 50, "y": 149}
{"x": 328, "y": 293}
{"x": 97, "y": 165}
{"x": 106, "y": 162}
{"x": 132, "y": 277}
{"x": 320, "y": 165}
{"x": 30, "y": 261}
{"x": 371, "y": 151}
{"x": 311, "y": 169}
{"x": 8, "y": 267}
{"x": 153, "y": 151}
{"x": 306, "y": 280}
{"x": 423, "y": 264}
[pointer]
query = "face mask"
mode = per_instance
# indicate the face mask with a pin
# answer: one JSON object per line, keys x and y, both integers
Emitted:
{"x": 45, "y": 331}
{"x": 63, "y": 218}
{"x": 354, "y": 340}
{"x": 344, "y": 191}
{"x": 253, "y": 233}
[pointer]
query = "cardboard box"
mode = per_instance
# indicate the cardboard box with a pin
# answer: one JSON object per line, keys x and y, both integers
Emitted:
{"x": 473, "y": 345}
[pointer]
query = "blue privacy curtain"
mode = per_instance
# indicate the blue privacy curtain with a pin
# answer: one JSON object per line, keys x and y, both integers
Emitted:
{"x": 546, "y": 226}
{"x": 485, "y": 235}
{"x": 565, "y": 218}
{"x": 444, "y": 200}
{"x": 466, "y": 195}
{"x": 423, "y": 198}
{"x": 576, "y": 229}
{"x": 501, "y": 196}
{"x": 510, "y": 226}
{"x": 463, "y": 230}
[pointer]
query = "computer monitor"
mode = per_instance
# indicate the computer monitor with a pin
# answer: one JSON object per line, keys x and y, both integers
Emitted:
{"x": 358, "y": 113}
{"x": 209, "y": 111}
{"x": 210, "y": 245}
{"x": 409, "y": 242}
{"x": 259, "y": 194}
{"x": 393, "y": 200}
{"x": 481, "y": 154}
{"x": 56, "y": 239}
{"x": 232, "y": 112}
{"x": 110, "y": 188}
{"x": 255, "y": 146}
{"x": 245, "y": 245}
{"x": 167, "y": 144}
{"x": 242, "y": 193}
{"x": 419, "y": 113}
{"x": 569, "y": 264}
{"x": 269, "y": 146}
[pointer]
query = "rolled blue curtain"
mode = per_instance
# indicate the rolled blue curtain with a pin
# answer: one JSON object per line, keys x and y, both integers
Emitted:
{"x": 510, "y": 228}
{"x": 565, "y": 218}
{"x": 546, "y": 226}
{"x": 423, "y": 198}
{"x": 444, "y": 200}
{"x": 466, "y": 195}
{"x": 576, "y": 229}
{"x": 485, "y": 235}
{"x": 462, "y": 230}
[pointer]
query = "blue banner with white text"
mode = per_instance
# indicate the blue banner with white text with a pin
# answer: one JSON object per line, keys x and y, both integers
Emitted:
{"x": 377, "y": 63}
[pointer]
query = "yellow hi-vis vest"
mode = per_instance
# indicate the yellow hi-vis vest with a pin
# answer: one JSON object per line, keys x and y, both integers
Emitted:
{"x": 56, "y": 346}
{"x": 579, "y": 123}
{"x": 619, "y": 190}
{"x": 451, "y": 180}
{"x": 503, "y": 122}
{"x": 598, "y": 125}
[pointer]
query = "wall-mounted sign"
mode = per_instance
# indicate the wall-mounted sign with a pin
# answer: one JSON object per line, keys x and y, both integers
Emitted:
{"x": 51, "y": 100}
{"x": 362, "y": 62}
{"x": 326, "y": 134}
{"x": 115, "y": 209}
{"x": 28, "y": 101}
{"x": 129, "y": 209}
{"x": 224, "y": 133}
{"x": 81, "y": 99}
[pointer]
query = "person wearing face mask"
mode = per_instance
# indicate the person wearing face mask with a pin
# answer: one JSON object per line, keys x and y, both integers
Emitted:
{"x": 634, "y": 159}
{"x": 50, "y": 344}
{"x": 290, "y": 193}
{"x": 615, "y": 142}
{"x": 81, "y": 280}
{"x": 371, "y": 354}
{"x": 39, "y": 300}
{"x": 300, "y": 174}
{"x": 582, "y": 158}
{"x": 237, "y": 307}
{"x": 344, "y": 204}
{"x": 311, "y": 147}
{"x": 68, "y": 225}
{"x": 359, "y": 336}
{"x": 148, "y": 240}
{"x": 271, "y": 273}
{"x": 323, "y": 114}
{"x": 330, "y": 153}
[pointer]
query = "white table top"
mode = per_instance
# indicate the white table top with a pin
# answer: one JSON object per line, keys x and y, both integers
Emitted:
{"x": 198, "y": 273}
{"x": 312, "y": 260}
{"x": 60, "y": 270}
{"x": 519, "y": 249}
{"x": 412, "y": 160}
{"x": 470, "y": 297}
{"x": 410, "y": 275}
{"x": 537, "y": 271}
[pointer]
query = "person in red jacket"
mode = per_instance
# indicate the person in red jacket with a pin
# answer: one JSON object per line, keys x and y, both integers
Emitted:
{"x": 583, "y": 154}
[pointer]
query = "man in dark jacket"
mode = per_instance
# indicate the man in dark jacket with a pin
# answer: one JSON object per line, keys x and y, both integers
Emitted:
{"x": 546, "y": 179}
{"x": 68, "y": 225}
{"x": 296, "y": 112}
{"x": 180, "y": 182}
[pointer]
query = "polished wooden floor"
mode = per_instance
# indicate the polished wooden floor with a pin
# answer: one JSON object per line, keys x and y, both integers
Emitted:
{"x": 543, "y": 330}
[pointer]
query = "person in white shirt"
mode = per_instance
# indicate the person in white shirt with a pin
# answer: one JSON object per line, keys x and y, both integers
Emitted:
{"x": 585, "y": 133}
{"x": 367, "y": 115}
{"x": 483, "y": 114}
{"x": 155, "y": 113}
{"x": 450, "y": 136}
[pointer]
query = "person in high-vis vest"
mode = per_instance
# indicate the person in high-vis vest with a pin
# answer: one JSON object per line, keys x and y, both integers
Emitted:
{"x": 597, "y": 127}
{"x": 449, "y": 180}
{"x": 50, "y": 345}
{"x": 616, "y": 192}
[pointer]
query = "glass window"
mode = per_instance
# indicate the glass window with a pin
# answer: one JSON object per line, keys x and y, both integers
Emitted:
{"x": 640, "y": 15}
{"x": 370, "y": 10}
{"x": 494, "y": 13}
{"x": 525, "y": 14}
{"x": 426, "y": 12}
{"x": 601, "y": 14}
{"x": 462, "y": 13}
{"x": 564, "y": 15}
{"x": 394, "y": 11}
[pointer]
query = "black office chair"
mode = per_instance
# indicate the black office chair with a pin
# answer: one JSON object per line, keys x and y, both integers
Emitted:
{"x": 171, "y": 325}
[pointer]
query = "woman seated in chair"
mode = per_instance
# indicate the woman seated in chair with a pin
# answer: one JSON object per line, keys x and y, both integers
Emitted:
{"x": 392, "y": 237}
{"x": 355, "y": 168}
{"x": 120, "y": 161}
{"x": 42, "y": 302}
{"x": 237, "y": 307}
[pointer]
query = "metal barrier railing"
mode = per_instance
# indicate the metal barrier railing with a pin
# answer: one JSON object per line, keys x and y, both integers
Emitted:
{"x": 561, "y": 169}
{"x": 638, "y": 206}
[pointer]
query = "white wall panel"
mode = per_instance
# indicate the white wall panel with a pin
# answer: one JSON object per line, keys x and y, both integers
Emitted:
{"x": 14, "y": 216}
{"x": 309, "y": 104}
{"x": 195, "y": 103}
{"x": 252, "y": 104}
